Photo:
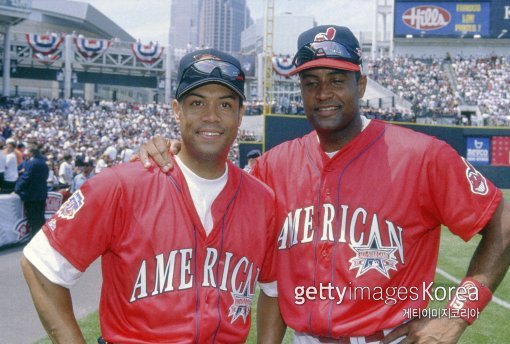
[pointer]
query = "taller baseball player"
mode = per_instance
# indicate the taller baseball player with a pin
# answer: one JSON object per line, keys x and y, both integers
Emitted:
{"x": 361, "y": 204}
{"x": 181, "y": 253}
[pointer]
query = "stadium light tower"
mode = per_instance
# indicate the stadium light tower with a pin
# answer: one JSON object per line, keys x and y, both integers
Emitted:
{"x": 268, "y": 57}
{"x": 384, "y": 9}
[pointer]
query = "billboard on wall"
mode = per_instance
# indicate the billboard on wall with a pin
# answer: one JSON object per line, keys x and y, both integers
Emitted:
{"x": 442, "y": 19}
{"x": 500, "y": 19}
{"x": 478, "y": 150}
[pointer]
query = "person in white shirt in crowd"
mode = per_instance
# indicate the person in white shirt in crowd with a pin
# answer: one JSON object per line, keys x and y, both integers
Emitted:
{"x": 102, "y": 163}
{"x": 65, "y": 171}
{"x": 52, "y": 180}
{"x": 111, "y": 151}
{"x": 11, "y": 168}
{"x": 126, "y": 153}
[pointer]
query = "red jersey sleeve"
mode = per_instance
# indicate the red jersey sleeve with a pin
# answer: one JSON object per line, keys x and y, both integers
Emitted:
{"x": 84, "y": 226}
{"x": 457, "y": 194}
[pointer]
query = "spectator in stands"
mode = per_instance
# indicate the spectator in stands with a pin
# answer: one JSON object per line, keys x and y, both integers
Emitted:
{"x": 111, "y": 151}
{"x": 86, "y": 173}
{"x": 52, "y": 181}
{"x": 20, "y": 152}
{"x": 102, "y": 163}
{"x": 65, "y": 171}
{"x": 126, "y": 154}
{"x": 23, "y": 165}
{"x": 2, "y": 162}
{"x": 251, "y": 156}
{"x": 33, "y": 190}
{"x": 11, "y": 168}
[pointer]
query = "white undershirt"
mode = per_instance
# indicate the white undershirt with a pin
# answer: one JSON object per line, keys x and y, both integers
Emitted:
{"x": 203, "y": 192}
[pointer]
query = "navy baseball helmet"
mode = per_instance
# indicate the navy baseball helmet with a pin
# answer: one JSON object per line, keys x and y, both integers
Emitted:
{"x": 327, "y": 46}
{"x": 209, "y": 66}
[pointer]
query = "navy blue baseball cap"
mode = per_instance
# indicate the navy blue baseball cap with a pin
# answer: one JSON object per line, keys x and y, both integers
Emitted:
{"x": 207, "y": 66}
{"x": 327, "y": 46}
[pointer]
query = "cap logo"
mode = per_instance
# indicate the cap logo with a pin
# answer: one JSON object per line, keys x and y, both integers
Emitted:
{"x": 206, "y": 57}
{"x": 329, "y": 35}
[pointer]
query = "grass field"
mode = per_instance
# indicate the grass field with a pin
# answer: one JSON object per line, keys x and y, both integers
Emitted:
{"x": 493, "y": 327}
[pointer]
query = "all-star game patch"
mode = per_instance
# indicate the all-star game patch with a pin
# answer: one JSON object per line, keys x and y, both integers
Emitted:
{"x": 373, "y": 256}
{"x": 69, "y": 209}
{"x": 241, "y": 305}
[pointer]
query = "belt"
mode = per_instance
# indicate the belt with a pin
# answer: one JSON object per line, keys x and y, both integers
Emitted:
{"x": 373, "y": 338}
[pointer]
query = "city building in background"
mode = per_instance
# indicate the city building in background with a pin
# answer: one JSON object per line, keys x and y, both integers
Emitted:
{"x": 221, "y": 24}
{"x": 184, "y": 20}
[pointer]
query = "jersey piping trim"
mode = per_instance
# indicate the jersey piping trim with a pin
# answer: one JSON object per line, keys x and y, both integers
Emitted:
{"x": 363, "y": 151}
{"x": 317, "y": 170}
{"x": 221, "y": 254}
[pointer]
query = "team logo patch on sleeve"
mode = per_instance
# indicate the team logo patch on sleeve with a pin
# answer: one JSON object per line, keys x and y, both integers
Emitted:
{"x": 69, "y": 209}
{"x": 242, "y": 304}
{"x": 476, "y": 180}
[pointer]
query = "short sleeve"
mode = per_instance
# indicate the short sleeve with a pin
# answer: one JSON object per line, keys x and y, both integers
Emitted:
{"x": 456, "y": 193}
{"x": 85, "y": 225}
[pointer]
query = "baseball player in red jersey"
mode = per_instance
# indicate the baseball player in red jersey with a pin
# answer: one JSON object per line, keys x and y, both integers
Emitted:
{"x": 360, "y": 206}
{"x": 181, "y": 253}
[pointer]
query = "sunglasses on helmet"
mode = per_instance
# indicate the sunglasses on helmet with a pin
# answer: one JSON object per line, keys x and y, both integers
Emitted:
{"x": 325, "y": 49}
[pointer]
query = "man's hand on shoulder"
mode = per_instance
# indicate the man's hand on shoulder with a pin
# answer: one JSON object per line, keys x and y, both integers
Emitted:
{"x": 158, "y": 149}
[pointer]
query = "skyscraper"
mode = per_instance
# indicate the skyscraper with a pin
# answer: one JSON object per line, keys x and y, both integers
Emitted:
{"x": 184, "y": 18}
{"x": 221, "y": 23}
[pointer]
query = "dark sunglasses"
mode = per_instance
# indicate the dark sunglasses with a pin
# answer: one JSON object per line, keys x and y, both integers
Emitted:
{"x": 328, "y": 49}
{"x": 206, "y": 67}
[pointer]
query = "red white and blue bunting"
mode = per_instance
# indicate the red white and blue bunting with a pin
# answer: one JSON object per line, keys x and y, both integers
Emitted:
{"x": 44, "y": 44}
{"x": 148, "y": 53}
{"x": 46, "y": 59}
{"x": 282, "y": 65}
{"x": 91, "y": 47}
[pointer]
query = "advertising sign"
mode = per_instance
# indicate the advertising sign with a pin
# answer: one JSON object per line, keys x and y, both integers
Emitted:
{"x": 442, "y": 19}
{"x": 478, "y": 149}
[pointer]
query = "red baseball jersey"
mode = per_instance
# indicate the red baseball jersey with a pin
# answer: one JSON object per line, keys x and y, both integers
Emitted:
{"x": 164, "y": 280}
{"x": 359, "y": 233}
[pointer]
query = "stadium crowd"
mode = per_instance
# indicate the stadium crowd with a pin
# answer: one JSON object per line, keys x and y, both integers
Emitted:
{"x": 420, "y": 81}
{"x": 102, "y": 133}
{"x": 485, "y": 82}
{"x": 75, "y": 134}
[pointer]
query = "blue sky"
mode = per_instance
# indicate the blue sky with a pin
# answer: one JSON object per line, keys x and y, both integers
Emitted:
{"x": 149, "y": 19}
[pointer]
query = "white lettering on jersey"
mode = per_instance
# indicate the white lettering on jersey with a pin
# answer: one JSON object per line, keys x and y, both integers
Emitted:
{"x": 369, "y": 253}
{"x": 140, "y": 284}
{"x": 225, "y": 274}
{"x": 186, "y": 269}
{"x": 173, "y": 272}
{"x": 164, "y": 275}
{"x": 210, "y": 260}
